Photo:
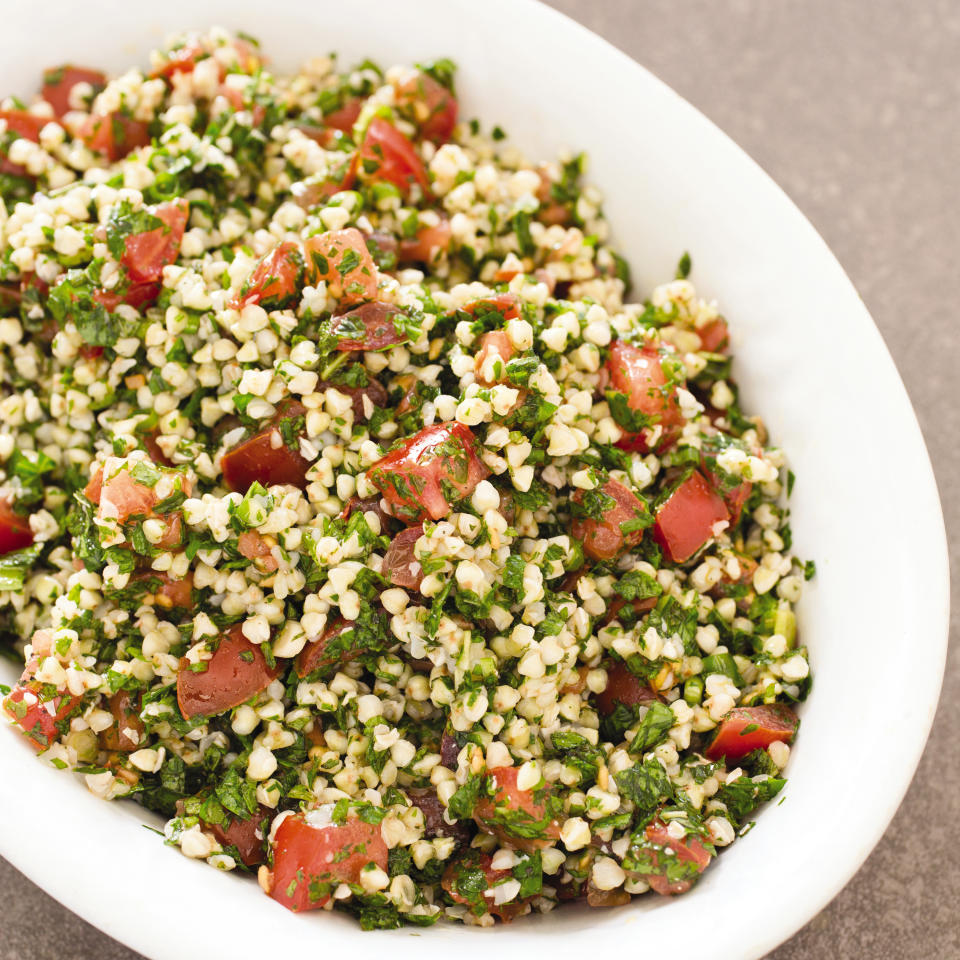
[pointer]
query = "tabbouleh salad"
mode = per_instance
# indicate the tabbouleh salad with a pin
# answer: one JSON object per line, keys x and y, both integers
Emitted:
{"x": 353, "y": 519}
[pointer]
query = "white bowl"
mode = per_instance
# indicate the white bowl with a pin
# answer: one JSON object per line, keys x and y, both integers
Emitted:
{"x": 808, "y": 358}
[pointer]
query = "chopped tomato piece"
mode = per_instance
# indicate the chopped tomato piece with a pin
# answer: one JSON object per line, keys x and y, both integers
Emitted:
{"x": 146, "y": 254}
{"x": 496, "y": 350}
{"x": 745, "y": 729}
{"x": 342, "y": 260}
{"x": 506, "y": 304}
{"x": 236, "y": 672}
{"x": 735, "y": 494}
{"x": 136, "y": 295}
{"x": 345, "y": 116}
{"x": 60, "y": 81}
{"x": 714, "y": 336}
{"x": 369, "y": 505}
{"x": 417, "y": 476}
{"x": 254, "y": 547}
{"x": 114, "y": 135}
{"x": 183, "y": 60}
{"x": 626, "y": 688}
{"x": 686, "y": 521}
{"x": 275, "y": 280}
{"x": 121, "y": 497}
{"x": 36, "y": 717}
{"x": 153, "y": 449}
{"x": 400, "y": 565}
{"x": 386, "y": 154}
{"x": 265, "y": 458}
{"x": 434, "y": 825}
{"x": 518, "y": 817}
{"x": 15, "y": 532}
{"x": 616, "y": 604}
{"x": 433, "y": 106}
{"x": 429, "y": 243}
{"x": 371, "y": 326}
{"x": 621, "y": 526}
{"x": 460, "y": 880}
{"x": 312, "y": 857}
{"x": 246, "y": 835}
{"x": 551, "y": 212}
{"x": 327, "y": 650}
{"x": 125, "y": 734}
{"x": 23, "y": 124}
{"x": 639, "y": 374}
{"x": 689, "y": 855}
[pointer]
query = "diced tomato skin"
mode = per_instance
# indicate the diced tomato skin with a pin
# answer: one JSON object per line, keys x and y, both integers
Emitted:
{"x": 427, "y": 244}
{"x": 400, "y": 565}
{"x": 15, "y": 532}
{"x": 345, "y": 116}
{"x": 146, "y": 254}
{"x": 242, "y": 834}
{"x": 494, "y": 341}
{"x": 305, "y": 855}
{"x": 235, "y": 673}
{"x": 508, "y": 795}
{"x": 734, "y": 739}
{"x": 276, "y": 278}
{"x": 688, "y": 850}
{"x": 171, "y": 593}
{"x": 434, "y": 106}
{"x": 638, "y": 373}
{"x": 136, "y": 295}
{"x": 604, "y": 539}
{"x": 122, "y": 497}
{"x": 685, "y": 522}
{"x": 35, "y": 722}
{"x": 379, "y": 323}
{"x": 325, "y": 255}
{"x": 506, "y": 304}
{"x": 626, "y": 688}
{"x": 58, "y": 82}
{"x": 114, "y": 135}
{"x": 714, "y": 336}
{"x": 25, "y": 125}
{"x": 254, "y": 547}
{"x": 314, "y": 655}
{"x": 410, "y": 476}
{"x": 183, "y": 60}
{"x": 125, "y": 708}
{"x": 474, "y": 859}
{"x": 386, "y": 154}
{"x": 265, "y": 458}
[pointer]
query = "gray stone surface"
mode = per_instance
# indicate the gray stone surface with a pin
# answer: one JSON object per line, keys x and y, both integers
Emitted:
{"x": 851, "y": 105}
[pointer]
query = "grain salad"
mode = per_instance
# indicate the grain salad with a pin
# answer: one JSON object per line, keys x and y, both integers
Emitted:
{"x": 354, "y": 518}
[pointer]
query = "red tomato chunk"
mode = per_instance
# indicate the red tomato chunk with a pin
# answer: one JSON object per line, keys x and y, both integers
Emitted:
{"x": 321, "y": 653}
{"x": 689, "y": 850}
{"x": 236, "y": 672}
{"x": 114, "y": 135}
{"x": 400, "y": 565}
{"x": 386, "y": 154}
{"x": 639, "y": 374}
{"x": 458, "y": 882}
{"x": 275, "y": 279}
{"x": 146, "y": 254}
{"x": 341, "y": 259}
{"x": 626, "y": 688}
{"x": 15, "y": 532}
{"x": 604, "y": 538}
{"x": 513, "y": 815}
{"x": 427, "y": 244}
{"x": 38, "y": 718}
{"x": 58, "y": 82}
{"x": 309, "y": 862}
{"x": 745, "y": 729}
{"x": 417, "y": 476}
{"x": 246, "y": 835}
{"x": 372, "y": 326}
{"x": 685, "y": 522}
{"x": 264, "y": 458}
{"x": 23, "y": 124}
{"x": 125, "y": 734}
{"x": 433, "y": 106}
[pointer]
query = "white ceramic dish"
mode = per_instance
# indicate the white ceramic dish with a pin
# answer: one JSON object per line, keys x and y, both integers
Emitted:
{"x": 808, "y": 357}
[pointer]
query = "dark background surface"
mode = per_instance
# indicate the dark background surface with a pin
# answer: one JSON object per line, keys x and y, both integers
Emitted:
{"x": 852, "y": 106}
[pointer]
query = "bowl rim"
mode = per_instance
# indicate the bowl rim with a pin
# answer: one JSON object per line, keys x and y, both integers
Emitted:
{"x": 21, "y": 848}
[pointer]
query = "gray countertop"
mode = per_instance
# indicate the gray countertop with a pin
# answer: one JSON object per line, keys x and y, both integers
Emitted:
{"x": 851, "y": 105}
